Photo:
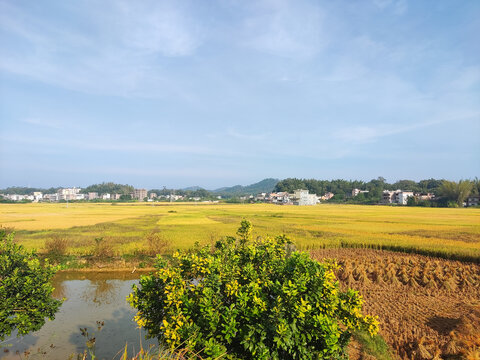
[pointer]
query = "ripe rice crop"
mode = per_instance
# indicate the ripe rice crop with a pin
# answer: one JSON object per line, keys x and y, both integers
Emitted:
{"x": 448, "y": 233}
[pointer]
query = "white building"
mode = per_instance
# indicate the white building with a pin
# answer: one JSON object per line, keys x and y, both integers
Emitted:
{"x": 106, "y": 196}
{"x": 302, "y": 197}
{"x": 396, "y": 197}
{"x": 68, "y": 193}
{"x": 37, "y": 195}
{"x": 355, "y": 192}
{"x": 51, "y": 197}
{"x": 401, "y": 197}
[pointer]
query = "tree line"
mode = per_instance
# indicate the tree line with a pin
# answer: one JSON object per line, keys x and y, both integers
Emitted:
{"x": 447, "y": 193}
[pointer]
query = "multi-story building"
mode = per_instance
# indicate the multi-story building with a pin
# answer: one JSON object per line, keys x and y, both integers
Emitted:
{"x": 37, "y": 195}
{"x": 396, "y": 197}
{"x": 51, "y": 197}
{"x": 68, "y": 193}
{"x": 388, "y": 196}
{"x": 140, "y": 194}
{"x": 302, "y": 197}
{"x": 280, "y": 198}
{"x": 401, "y": 197}
{"x": 92, "y": 195}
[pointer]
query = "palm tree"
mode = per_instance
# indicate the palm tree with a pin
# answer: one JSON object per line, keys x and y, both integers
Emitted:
{"x": 456, "y": 192}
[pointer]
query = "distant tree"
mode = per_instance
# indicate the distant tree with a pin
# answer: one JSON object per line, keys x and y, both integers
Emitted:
{"x": 406, "y": 185}
{"x": 109, "y": 188}
{"x": 25, "y": 290}
{"x": 476, "y": 186}
{"x": 455, "y": 192}
{"x": 26, "y": 190}
{"x": 412, "y": 201}
{"x": 430, "y": 185}
{"x": 201, "y": 193}
{"x": 360, "y": 198}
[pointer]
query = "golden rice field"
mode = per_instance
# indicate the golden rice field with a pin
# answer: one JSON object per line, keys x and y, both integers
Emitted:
{"x": 450, "y": 233}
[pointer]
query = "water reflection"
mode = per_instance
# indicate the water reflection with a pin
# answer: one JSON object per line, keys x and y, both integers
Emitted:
{"x": 90, "y": 297}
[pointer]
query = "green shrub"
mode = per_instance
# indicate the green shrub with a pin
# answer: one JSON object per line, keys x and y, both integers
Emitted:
{"x": 250, "y": 300}
{"x": 25, "y": 289}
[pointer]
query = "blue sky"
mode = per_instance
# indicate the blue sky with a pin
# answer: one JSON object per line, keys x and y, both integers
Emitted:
{"x": 217, "y": 93}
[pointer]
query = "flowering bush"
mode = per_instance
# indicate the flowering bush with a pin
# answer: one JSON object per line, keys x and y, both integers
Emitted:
{"x": 249, "y": 300}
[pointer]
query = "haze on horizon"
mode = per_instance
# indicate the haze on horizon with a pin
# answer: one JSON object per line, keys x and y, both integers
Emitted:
{"x": 181, "y": 93}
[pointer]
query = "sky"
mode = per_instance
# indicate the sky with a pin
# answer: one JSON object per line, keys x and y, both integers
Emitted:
{"x": 217, "y": 93}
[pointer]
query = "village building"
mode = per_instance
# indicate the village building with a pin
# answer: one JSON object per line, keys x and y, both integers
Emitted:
{"x": 396, "y": 197}
{"x": 327, "y": 196}
{"x": 302, "y": 197}
{"x": 472, "y": 200}
{"x": 139, "y": 194}
{"x": 68, "y": 193}
{"x": 92, "y": 196}
{"x": 356, "y": 192}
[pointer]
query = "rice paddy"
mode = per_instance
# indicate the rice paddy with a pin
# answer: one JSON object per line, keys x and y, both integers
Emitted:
{"x": 449, "y": 233}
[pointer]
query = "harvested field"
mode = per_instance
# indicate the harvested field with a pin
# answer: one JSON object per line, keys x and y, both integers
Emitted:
{"x": 428, "y": 308}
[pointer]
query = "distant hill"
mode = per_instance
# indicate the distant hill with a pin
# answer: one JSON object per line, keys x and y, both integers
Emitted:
{"x": 192, "y": 188}
{"x": 266, "y": 185}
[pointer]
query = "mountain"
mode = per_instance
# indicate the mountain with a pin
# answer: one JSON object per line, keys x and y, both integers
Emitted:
{"x": 266, "y": 185}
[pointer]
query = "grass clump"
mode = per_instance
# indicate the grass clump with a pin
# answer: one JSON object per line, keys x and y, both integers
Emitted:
{"x": 56, "y": 245}
{"x": 373, "y": 345}
{"x": 103, "y": 248}
{"x": 156, "y": 243}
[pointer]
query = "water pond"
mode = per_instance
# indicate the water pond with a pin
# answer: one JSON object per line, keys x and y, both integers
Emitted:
{"x": 90, "y": 297}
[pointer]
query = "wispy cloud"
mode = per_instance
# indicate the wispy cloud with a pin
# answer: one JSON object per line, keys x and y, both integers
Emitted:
{"x": 119, "y": 56}
{"x": 293, "y": 29}
{"x": 42, "y": 123}
{"x": 399, "y": 7}
{"x": 368, "y": 134}
{"x": 113, "y": 145}
{"x": 247, "y": 136}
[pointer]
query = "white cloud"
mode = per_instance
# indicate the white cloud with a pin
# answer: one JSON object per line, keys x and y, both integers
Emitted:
{"x": 293, "y": 29}
{"x": 42, "y": 123}
{"x": 114, "y": 145}
{"x": 119, "y": 56}
{"x": 399, "y": 7}
{"x": 155, "y": 27}
{"x": 244, "y": 136}
{"x": 366, "y": 134}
